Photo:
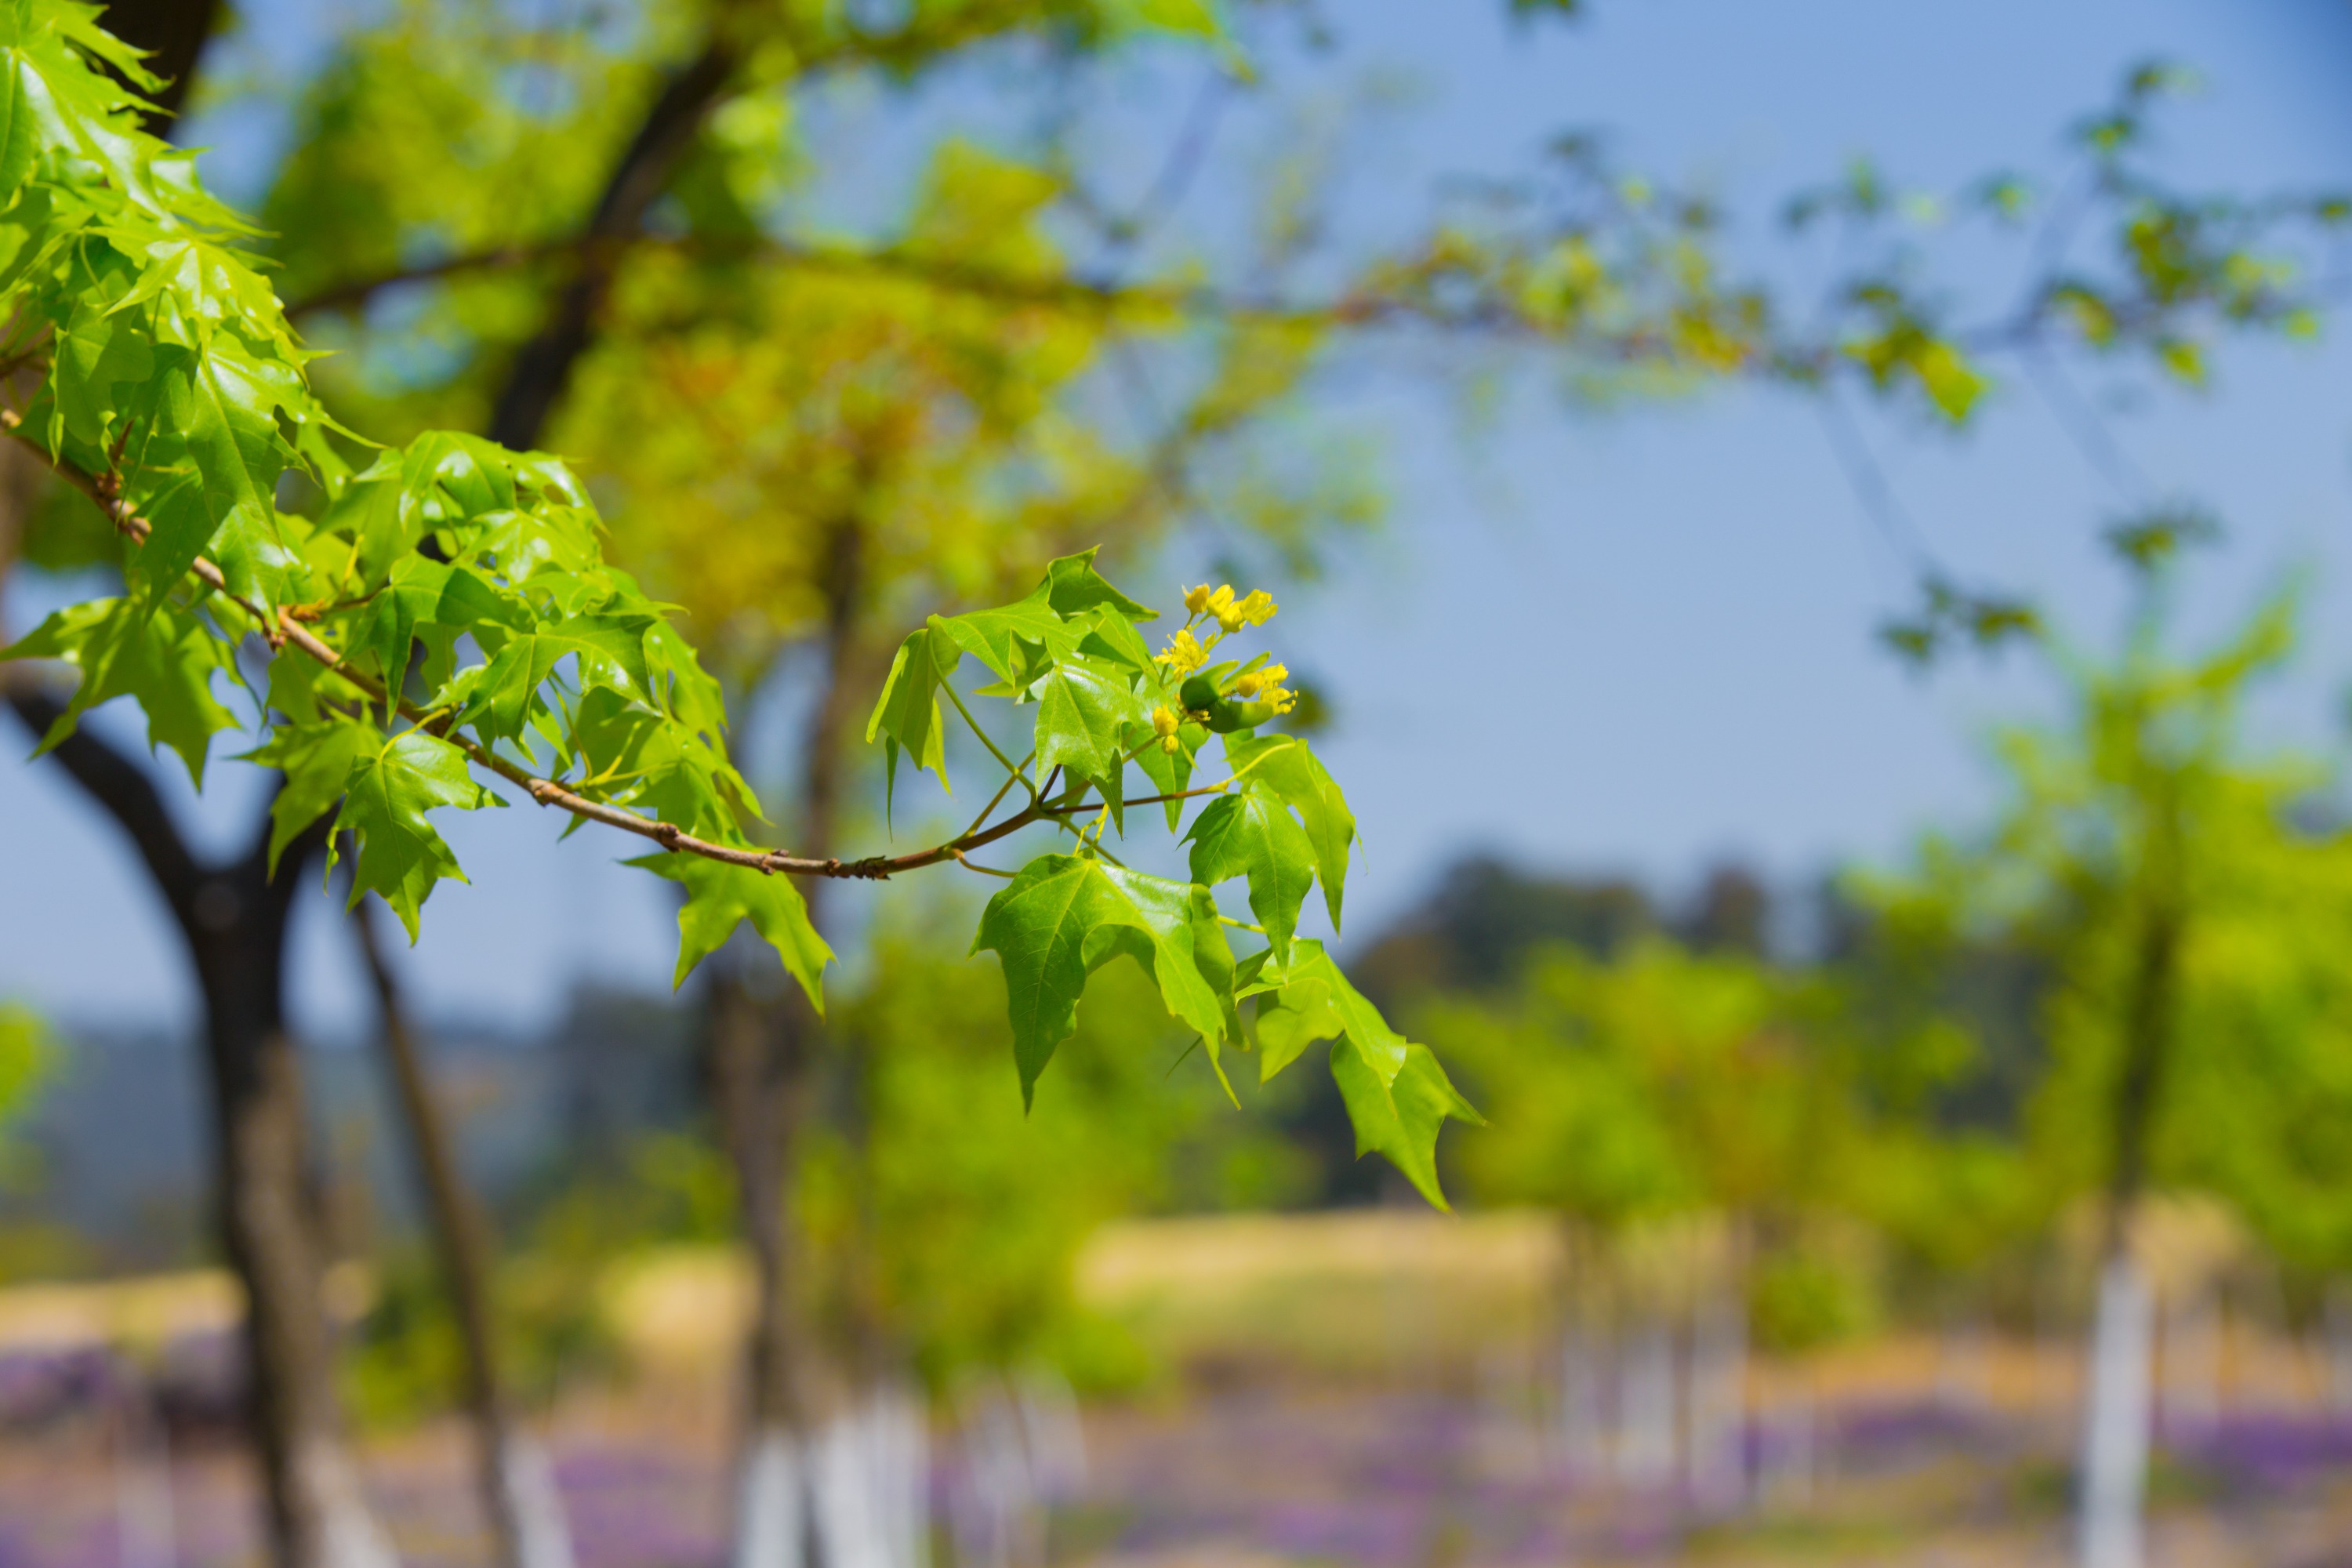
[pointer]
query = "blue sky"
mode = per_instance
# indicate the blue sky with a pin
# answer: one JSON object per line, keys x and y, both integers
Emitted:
{"x": 1655, "y": 623}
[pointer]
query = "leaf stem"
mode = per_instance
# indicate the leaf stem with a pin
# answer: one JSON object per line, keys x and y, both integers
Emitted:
{"x": 997, "y": 799}
{"x": 984, "y": 871}
{"x": 1146, "y": 800}
{"x": 956, "y": 698}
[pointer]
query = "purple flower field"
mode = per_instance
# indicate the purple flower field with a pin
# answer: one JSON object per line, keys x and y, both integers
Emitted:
{"x": 1273, "y": 1475}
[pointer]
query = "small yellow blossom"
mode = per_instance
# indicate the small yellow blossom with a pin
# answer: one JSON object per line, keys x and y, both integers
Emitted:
{"x": 1183, "y": 654}
{"x": 1253, "y": 611}
{"x": 1267, "y": 683}
{"x": 1257, "y": 681}
{"x": 1197, "y": 599}
{"x": 1163, "y": 725}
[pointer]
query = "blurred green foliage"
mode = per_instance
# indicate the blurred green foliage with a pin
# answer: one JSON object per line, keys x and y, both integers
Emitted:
{"x": 27, "y": 1053}
{"x": 957, "y": 1217}
{"x": 1663, "y": 1082}
{"x": 2148, "y": 798}
{"x": 977, "y": 1212}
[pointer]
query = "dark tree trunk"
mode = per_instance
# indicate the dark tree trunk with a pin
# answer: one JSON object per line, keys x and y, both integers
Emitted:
{"x": 518, "y": 1495}
{"x": 233, "y": 918}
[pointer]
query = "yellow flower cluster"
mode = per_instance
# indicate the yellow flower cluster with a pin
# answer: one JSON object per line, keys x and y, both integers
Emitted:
{"x": 1183, "y": 654}
{"x": 1186, "y": 652}
{"x": 1267, "y": 683}
{"x": 1255, "y": 610}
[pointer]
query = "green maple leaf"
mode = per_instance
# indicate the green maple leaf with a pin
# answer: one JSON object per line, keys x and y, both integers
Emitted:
{"x": 1401, "y": 1118}
{"x": 1253, "y": 835}
{"x": 165, "y": 662}
{"x": 1110, "y": 636}
{"x": 316, "y": 760}
{"x": 299, "y": 684}
{"x": 544, "y": 539}
{"x": 1289, "y": 768}
{"x": 1178, "y": 937}
{"x": 96, "y": 351}
{"x": 999, "y": 637}
{"x": 451, "y": 477}
{"x": 1064, "y": 916}
{"x": 1073, "y": 586}
{"x": 1310, "y": 985}
{"x": 907, "y": 715}
{"x": 422, "y": 592}
{"x": 1071, "y": 602}
{"x": 1396, "y": 1093}
{"x": 605, "y": 646}
{"x": 1085, "y": 711}
{"x": 20, "y": 141}
{"x": 721, "y": 897}
{"x": 372, "y": 510}
{"x": 215, "y": 491}
{"x": 693, "y": 693}
{"x": 630, "y": 756}
{"x": 400, "y": 855}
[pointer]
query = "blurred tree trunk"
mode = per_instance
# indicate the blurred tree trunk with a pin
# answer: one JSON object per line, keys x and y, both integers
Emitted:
{"x": 765, "y": 1073}
{"x": 233, "y": 917}
{"x": 2117, "y": 1413}
{"x": 518, "y": 1495}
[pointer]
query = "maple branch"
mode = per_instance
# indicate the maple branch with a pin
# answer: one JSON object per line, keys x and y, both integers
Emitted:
{"x": 283, "y": 631}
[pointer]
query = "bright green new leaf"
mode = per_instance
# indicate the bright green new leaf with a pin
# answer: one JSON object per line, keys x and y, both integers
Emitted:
{"x": 1397, "y": 1095}
{"x": 97, "y": 352}
{"x": 1189, "y": 954}
{"x": 221, "y": 406}
{"x": 1072, "y": 602}
{"x": 1085, "y": 711}
{"x": 1287, "y": 767}
{"x": 908, "y": 713}
{"x": 391, "y": 788}
{"x": 610, "y": 651}
{"x": 1073, "y": 586}
{"x": 422, "y": 592}
{"x": 719, "y": 897}
{"x": 1313, "y": 986}
{"x": 1400, "y": 1119}
{"x": 1289, "y": 1023}
{"x": 1063, "y": 917}
{"x": 1252, "y": 834}
{"x": 166, "y": 663}
{"x": 316, "y": 760}
{"x": 632, "y": 757}
{"x": 1011, "y": 638}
